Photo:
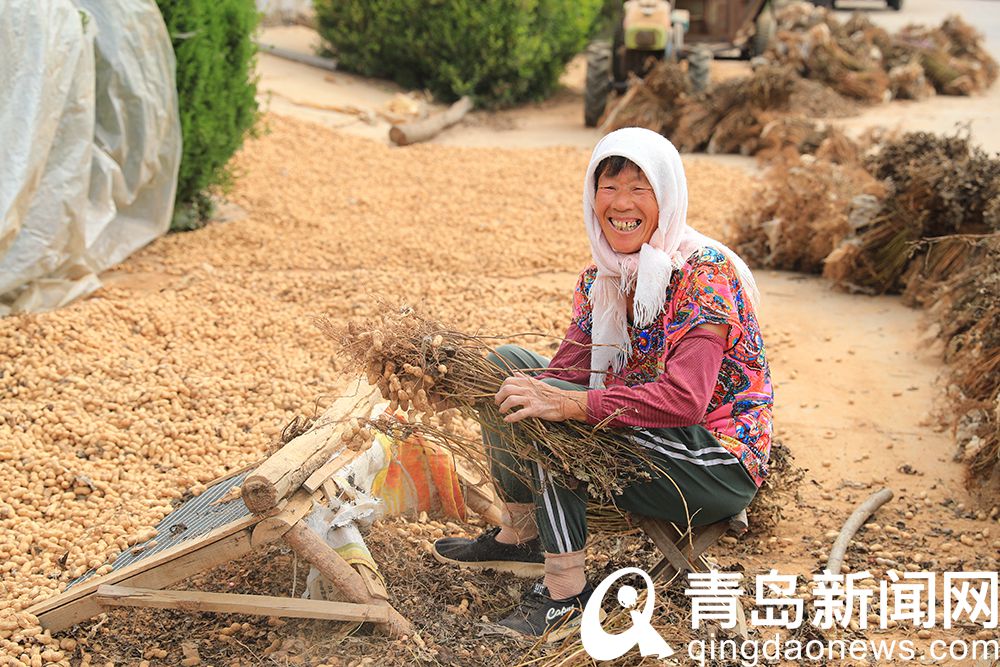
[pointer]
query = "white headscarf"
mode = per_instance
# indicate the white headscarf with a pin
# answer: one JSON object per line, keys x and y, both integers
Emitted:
{"x": 650, "y": 269}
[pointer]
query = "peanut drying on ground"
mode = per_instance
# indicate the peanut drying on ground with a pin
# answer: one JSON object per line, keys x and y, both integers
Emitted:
{"x": 201, "y": 346}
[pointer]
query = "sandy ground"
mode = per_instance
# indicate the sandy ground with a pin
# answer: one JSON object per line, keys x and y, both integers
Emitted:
{"x": 856, "y": 380}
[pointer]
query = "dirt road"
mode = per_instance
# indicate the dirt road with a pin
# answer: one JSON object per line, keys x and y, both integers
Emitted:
{"x": 298, "y": 90}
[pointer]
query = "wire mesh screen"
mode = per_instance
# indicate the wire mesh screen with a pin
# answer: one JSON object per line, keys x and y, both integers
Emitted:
{"x": 195, "y": 518}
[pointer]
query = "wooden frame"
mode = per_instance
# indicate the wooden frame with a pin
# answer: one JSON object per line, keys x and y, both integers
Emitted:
{"x": 683, "y": 552}
{"x": 284, "y": 489}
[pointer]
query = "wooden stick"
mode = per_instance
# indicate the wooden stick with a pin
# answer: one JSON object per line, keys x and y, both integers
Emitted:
{"x": 308, "y": 545}
{"x": 836, "y": 561}
{"x": 230, "y": 603}
{"x": 324, "y": 472}
{"x": 285, "y": 470}
{"x": 428, "y": 128}
{"x": 623, "y": 103}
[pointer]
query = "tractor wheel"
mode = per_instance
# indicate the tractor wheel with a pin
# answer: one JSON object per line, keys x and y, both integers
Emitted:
{"x": 765, "y": 28}
{"x": 595, "y": 97}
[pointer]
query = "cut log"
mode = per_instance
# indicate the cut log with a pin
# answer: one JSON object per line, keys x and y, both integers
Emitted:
{"x": 285, "y": 470}
{"x": 295, "y": 56}
{"x": 344, "y": 578}
{"x": 291, "y": 511}
{"x": 430, "y": 127}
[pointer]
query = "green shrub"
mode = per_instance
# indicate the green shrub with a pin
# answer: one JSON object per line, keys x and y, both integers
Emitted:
{"x": 216, "y": 88}
{"x": 499, "y": 52}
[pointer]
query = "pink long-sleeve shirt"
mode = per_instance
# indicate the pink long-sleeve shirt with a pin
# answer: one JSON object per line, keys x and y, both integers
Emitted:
{"x": 678, "y": 397}
{"x": 679, "y": 374}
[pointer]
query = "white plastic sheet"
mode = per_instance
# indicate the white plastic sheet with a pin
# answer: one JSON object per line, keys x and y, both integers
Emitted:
{"x": 90, "y": 139}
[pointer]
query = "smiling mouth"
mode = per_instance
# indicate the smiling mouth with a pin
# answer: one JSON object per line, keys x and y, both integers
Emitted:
{"x": 625, "y": 224}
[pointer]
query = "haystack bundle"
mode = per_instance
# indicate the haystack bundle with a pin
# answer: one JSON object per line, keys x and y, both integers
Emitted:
{"x": 817, "y": 66}
{"x": 435, "y": 374}
{"x": 936, "y": 186}
{"x": 967, "y": 308}
{"x": 862, "y": 225}
{"x": 787, "y": 137}
{"x": 819, "y": 47}
{"x": 952, "y": 56}
{"x": 864, "y": 62}
{"x": 730, "y": 116}
{"x": 921, "y": 217}
{"x": 803, "y": 213}
{"x": 653, "y": 102}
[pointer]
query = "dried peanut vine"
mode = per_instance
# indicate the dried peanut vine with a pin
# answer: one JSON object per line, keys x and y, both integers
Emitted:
{"x": 436, "y": 374}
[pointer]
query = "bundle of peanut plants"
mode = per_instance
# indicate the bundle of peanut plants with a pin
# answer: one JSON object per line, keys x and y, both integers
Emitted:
{"x": 434, "y": 374}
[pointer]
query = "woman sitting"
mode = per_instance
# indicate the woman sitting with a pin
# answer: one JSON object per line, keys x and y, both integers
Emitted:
{"x": 664, "y": 340}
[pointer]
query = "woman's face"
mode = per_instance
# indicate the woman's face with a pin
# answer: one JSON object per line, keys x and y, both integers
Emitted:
{"x": 626, "y": 207}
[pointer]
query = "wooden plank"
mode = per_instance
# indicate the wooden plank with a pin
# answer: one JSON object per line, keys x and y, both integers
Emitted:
{"x": 118, "y": 576}
{"x": 673, "y": 560}
{"x": 707, "y": 537}
{"x": 373, "y": 582}
{"x": 273, "y": 527}
{"x": 330, "y": 490}
{"x": 261, "y": 605}
{"x": 285, "y": 470}
{"x": 324, "y": 472}
{"x": 66, "y": 610}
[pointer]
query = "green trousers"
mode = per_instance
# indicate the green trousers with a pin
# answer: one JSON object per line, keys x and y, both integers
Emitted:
{"x": 689, "y": 461}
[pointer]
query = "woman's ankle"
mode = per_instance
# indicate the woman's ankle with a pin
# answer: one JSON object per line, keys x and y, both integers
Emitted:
{"x": 519, "y": 526}
{"x": 565, "y": 574}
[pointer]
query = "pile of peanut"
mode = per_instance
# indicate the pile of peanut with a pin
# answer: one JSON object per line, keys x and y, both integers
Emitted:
{"x": 201, "y": 348}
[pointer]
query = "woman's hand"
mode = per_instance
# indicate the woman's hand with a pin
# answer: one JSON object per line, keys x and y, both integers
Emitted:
{"x": 537, "y": 399}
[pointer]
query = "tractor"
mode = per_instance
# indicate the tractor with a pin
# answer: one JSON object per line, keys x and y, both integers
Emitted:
{"x": 648, "y": 31}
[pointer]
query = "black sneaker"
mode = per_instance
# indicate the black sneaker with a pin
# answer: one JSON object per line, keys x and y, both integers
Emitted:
{"x": 484, "y": 552}
{"x": 539, "y": 616}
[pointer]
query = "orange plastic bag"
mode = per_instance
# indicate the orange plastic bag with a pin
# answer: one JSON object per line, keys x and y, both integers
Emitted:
{"x": 420, "y": 477}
